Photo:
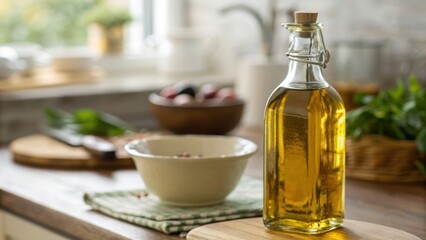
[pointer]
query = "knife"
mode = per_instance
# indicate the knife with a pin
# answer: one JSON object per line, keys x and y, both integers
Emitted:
{"x": 97, "y": 146}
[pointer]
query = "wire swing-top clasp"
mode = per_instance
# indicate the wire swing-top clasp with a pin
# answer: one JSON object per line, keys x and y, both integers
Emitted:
{"x": 321, "y": 58}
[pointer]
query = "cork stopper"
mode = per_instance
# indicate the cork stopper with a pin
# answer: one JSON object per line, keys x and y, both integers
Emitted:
{"x": 304, "y": 17}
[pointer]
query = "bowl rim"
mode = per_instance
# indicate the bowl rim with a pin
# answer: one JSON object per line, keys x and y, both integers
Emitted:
{"x": 158, "y": 100}
{"x": 130, "y": 147}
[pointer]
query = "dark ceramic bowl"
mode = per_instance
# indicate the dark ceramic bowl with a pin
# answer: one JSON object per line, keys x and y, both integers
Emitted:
{"x": 207, "y": 117}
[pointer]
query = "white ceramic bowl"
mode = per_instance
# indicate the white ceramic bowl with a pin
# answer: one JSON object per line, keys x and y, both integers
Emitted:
{"x": 206, "y": 177}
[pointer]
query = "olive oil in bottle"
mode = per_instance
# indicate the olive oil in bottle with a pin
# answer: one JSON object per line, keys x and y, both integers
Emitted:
{"x": 304, "y": 142}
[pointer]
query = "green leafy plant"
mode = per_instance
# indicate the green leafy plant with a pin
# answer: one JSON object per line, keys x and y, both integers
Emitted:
{"x": 107, "y": 16}
{"x": 86, "y": 121}
{"x": 398, "y": 113}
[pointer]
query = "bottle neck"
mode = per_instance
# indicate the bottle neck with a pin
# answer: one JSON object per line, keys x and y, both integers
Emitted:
{"x": 307, "y": 56}
{"x": 304, "y": 76}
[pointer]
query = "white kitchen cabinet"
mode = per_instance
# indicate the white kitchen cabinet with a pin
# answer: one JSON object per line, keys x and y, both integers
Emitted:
{"x": 13, "y": 227}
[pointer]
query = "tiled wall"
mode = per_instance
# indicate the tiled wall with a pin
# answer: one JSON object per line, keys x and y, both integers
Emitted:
{"x": 399, "y": 25}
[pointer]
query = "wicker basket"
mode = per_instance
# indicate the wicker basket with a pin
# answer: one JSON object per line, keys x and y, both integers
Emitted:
{"x": 382, "y": 159}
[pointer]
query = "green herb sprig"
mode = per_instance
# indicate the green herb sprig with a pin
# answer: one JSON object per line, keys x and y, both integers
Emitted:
{"x": 86, "y": 121}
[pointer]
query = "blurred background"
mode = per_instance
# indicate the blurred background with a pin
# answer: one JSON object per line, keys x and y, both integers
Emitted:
{"x": 109, "y": 54}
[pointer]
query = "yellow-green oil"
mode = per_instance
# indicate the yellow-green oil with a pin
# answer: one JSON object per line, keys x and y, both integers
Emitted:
{"x": 304, "y": 160}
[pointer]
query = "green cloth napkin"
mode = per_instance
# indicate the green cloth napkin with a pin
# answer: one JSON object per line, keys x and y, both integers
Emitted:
{"x": 140, "y": 207}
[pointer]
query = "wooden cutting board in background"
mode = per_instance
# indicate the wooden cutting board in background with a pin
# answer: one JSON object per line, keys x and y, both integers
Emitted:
{"x": 43, "y": 151}
{"x": 253, "y": 228}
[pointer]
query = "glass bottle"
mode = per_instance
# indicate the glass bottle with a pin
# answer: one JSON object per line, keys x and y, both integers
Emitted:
{"x": 304, "y": 140}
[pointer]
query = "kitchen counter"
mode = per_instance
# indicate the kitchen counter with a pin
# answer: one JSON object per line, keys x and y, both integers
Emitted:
{"x": 54, "y": 199}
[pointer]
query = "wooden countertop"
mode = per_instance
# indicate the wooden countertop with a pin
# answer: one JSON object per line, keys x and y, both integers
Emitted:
{"x": 54, "y": 199}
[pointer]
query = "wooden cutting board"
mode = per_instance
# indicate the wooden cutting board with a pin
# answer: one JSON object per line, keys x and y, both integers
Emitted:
{"x": 40, "y": 150}
{"x": 253, "y": 228}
